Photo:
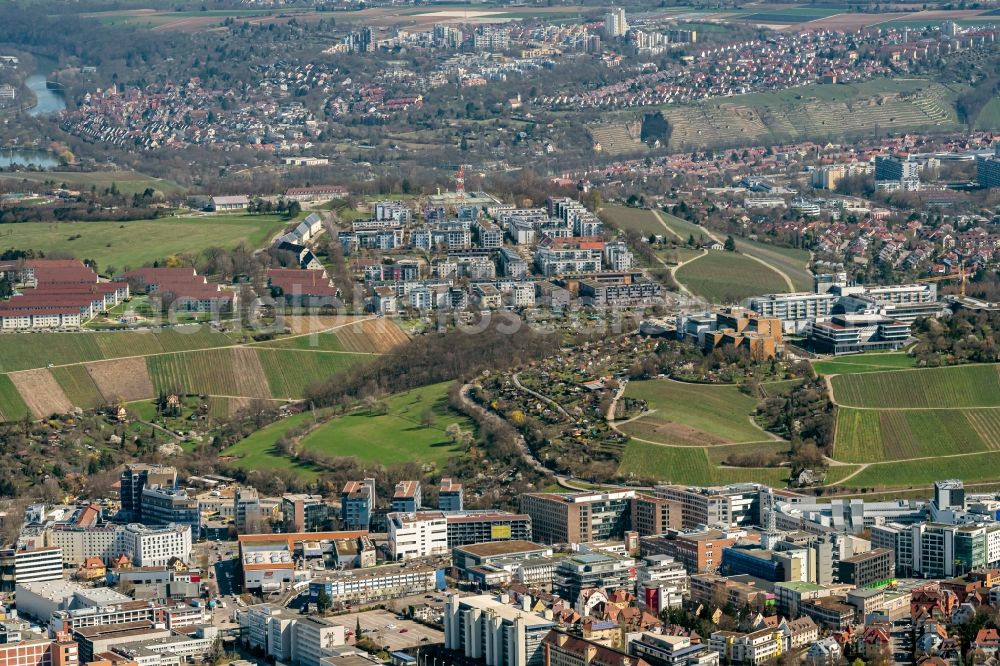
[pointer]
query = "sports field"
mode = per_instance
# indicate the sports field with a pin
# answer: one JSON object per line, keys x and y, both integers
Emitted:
{"x": 729, "y": 277}
{"x": 132, "y": 244}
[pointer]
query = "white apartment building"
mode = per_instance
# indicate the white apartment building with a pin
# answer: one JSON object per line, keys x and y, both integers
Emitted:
{"x": 420, "y": 534}
{"x": 156, "y": 546}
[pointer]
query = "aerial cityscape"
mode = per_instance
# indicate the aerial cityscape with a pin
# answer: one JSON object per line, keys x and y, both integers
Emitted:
{"x": 499, "y": 333}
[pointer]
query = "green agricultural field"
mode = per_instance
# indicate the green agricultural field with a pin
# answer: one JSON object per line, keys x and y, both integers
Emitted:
{"x": 690, "y": 466}
{"x": 12, "y": 407}
{"x": 23, "y": 351}
{"x": 969, "y": 468}
{"x": 874, "y": 362}
{"x": 399, "y": 435}
{"x": 815, "y": 111}
{"x": 290, "y": 373}
{"x": 247, "y": 371}
{"x": 868, "y": 435}
{"x": 127, "y": 182}
{"x": 729, "y": 277}
{"x": 790, "y": 15}
{"x": 132, "y": 244}
{"x": 78, "y": 386}
{"x": 326, "y": 341}
{"x": 632, "y": 219}
{"x": 693, "y": 414}
{"x": 961, "y": 386}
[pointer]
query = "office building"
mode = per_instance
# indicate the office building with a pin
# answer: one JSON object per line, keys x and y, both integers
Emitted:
{"x": 723, "y": 507}
{"x": 949, "y": 494}
{"x": 305, "y": 513}
{"x": 417, "y": 534}
{"x": 451, "y": 497}
{"x": 247, "y": 508}
{"x": 29, "y": 566}
{"x": 482, "y": 526}
{"x": 855, "y": 333}
{"x": 390, "y": 581}
{"x": 893, "y": 167}
{"x": 269, "y": 629}
{"x": 156, "y": 546}
{"x": 357, "y": 503}
{"x": 36, "y": 650}
{"x": 499, "y": 552}
{"x": 661, "y": 583}
{"x": 654, "y": 515}
{"x": 662, "y": 650}
{"x": 875, "y": 566}
{"x": 988, "y": 169}
{"x": 314, "y": 638}
{"x": 162, "y": 505}
{"x": 699, "y": 551}
{"x": 578, "y": 517}
{"x": 586, "y": 570}
{"x": 407, "y": 497}
{"x": 137, "y": 476}
{"x": 488, "y": 630}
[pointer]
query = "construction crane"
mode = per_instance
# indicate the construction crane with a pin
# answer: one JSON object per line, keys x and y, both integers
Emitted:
{"x": 960, "y": 275}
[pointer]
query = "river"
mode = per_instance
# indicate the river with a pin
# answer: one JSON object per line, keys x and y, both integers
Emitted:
{"x": 49, "y": 101}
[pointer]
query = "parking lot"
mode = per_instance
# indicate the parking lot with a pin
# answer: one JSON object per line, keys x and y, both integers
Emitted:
{"x": 387, "y": 629}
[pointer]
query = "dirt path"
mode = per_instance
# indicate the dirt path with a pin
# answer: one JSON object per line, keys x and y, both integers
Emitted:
{"x": 849, "y": 476}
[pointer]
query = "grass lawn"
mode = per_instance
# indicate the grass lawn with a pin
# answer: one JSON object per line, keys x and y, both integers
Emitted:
{"x": 989, "y": 116}
{"x": 874, "y": 362}
{"x": 258, "y": 451}
{"x": 397, "y": 436}
{"x": 128, "y": 182}
{"x": 690, "y": 466}
{"x": 729, "y": 277}
{"x": 637, "y": 219}
{"x": 791, "y": 261}
{"x": 132, "y": 244}
{"x": 961, "y": 386}
{"x": 693, "y": 414}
